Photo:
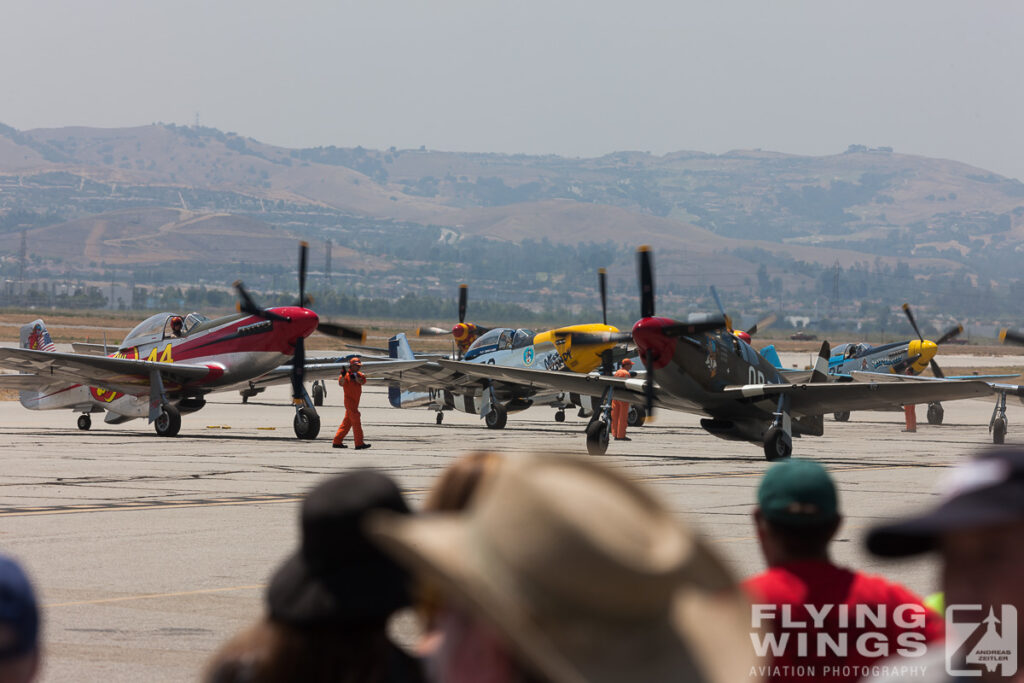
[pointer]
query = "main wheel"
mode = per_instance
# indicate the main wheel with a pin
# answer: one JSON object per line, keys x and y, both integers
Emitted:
{"x": 440, "y": 417}
{"x": 597, "y": 437}
{"x": 560, "y": 416}
{"x": 84, "y": 422}
{"x": 168, "y": 423}
{"x": 999, "y": 430}
{"x": 637, "y": 416}
{"x": 935, "y": 413}
{"x": 245, "y": 398}
{"x": 306, "y": 423}
{"x": 777, "y": 444}
{"x": 843, "y": 416}
{"x": 318, "y": 394}
{"x": 497, "y": 418}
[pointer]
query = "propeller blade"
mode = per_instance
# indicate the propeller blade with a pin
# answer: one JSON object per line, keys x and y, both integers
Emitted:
{"x": 936, "y": 370}
{"x": 913, "y": 323}
{"x": 341, "y": 331}
{"x": 1011, "y": 337}
{"x": 607, "y": 362}
{"x": 303, "y": 257}
{"x": 721, "y": 309}
{"x": 762, "y": 324}
{"x": 602, "y": 277}
{"x": 588, "y": 338}
{"x": 463, "y": 296}
{"x": 431, "y": 332}
{"x": 248, "y": 305}
{"x": 645, "y": 268}
{"x": 949, "y": 334}
{"x": 298, "y": 369}
{"x": 685, "y": 329}
{"x": 901, "y": 367}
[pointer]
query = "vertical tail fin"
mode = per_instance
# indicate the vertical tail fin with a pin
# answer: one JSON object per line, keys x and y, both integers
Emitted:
{"x": 34, "y": 336}
{"x": 820, "y": 373}
{"x": 398, "y": 347}
{"x": 772, "y": 356}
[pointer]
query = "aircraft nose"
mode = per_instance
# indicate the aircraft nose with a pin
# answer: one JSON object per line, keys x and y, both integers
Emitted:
{"x": 649, "y": 335}
{"x": 306, "y": 321}
{"x": 928, "y": 349}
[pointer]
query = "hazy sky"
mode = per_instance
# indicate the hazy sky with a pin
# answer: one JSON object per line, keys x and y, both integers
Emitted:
{"x": 939, "y": 78}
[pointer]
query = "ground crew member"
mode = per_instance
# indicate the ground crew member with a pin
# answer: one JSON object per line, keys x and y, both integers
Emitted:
{"x": 620, "y": 409}
{"x": 351, "y": 381}
{"x": 910, "y": 412}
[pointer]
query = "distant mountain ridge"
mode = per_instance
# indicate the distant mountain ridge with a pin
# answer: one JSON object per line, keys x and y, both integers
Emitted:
{"x": 83, "y": 194}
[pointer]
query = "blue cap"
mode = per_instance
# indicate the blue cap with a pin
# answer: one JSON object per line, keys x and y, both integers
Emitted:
{"x": 19, "y": 613}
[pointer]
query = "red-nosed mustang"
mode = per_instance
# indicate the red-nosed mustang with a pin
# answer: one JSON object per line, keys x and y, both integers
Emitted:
{"x": 167, "y": 365}
{"x": 705, "y": 369}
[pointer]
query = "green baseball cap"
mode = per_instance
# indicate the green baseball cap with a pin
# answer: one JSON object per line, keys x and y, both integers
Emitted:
{"x": 798, "y": 492}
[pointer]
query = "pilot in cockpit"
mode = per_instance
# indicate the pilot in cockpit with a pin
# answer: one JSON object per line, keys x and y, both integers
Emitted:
{"x": 176, "y": 326}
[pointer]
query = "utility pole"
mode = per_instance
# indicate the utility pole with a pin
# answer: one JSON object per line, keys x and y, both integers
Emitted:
{"x": 835, "y": 289}
{"x": 22, "y": 263}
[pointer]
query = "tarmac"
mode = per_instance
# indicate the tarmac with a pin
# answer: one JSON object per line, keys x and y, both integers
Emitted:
{"x": 148, "y": 553}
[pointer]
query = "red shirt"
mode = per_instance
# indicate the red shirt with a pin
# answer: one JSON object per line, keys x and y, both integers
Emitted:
{"x": 892, "y": 621}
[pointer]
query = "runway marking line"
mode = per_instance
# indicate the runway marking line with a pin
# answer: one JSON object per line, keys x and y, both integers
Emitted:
{"x": 148, "y": 596}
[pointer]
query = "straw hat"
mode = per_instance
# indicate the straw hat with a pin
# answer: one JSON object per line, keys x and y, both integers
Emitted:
{"x": 587, "y": 575}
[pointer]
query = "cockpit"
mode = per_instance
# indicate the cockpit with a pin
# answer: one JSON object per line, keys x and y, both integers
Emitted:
{"x": 853, "y": 350}
{"x": 161, "y": 326}
{"x": 500, "y": 339}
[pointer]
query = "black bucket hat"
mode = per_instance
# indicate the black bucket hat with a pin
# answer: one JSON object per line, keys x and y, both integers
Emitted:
{"x": 987, "y": 491}
{"x": 338, "y": 576}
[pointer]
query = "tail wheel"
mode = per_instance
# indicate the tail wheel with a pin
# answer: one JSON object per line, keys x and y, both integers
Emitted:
{"x": 497, "y": 418}
{"x": 306, "y": 423}
{"x": 440, "y": 417}
{"x": 318, "y": 394}
{"x": 777, "y": 444}
{"x": 637, "y": 416}
{"x": 843, "y": 416}
{"x": 84, "y": 422}
{"x": 168, "y": 423}
{"x": 935, "y": 413}
{"x": 999, "y": 430}
{"x": 560, "y": 416}
{"x": 597, "y": 437}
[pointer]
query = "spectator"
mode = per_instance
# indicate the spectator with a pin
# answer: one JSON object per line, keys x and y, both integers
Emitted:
{"x": 567, "y": 572}
{"x": 797, "y": 516}
{"x": 328, "y": 604}
{"x": 977, "y": 531}
{"x": 456, "y": 486}
{"x": 19, "y": 625}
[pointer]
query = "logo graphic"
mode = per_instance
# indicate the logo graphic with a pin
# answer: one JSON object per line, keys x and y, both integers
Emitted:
{"x": 977, "y": 639}
{"x": 528, "y": 356}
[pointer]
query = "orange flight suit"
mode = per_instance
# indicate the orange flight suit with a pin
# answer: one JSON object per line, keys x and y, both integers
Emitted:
{"x": 620, "y": 411}
{"x": 352, "y": 384}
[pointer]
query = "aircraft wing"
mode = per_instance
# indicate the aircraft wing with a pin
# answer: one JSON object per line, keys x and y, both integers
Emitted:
{"x": 117, "y": 374}
{"x": 630, "y": 389}
{"x": 20, "y": 382}
{"x": 830, "y": 397}
{"x": 88, "y": 349}
{"x": 373, "y": 369}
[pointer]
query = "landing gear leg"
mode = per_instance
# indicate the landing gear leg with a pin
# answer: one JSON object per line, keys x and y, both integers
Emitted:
{"x": 84, "y": 422}
{"x": 778, "y": 441}
{"x": 599, "y": 428}
{"x": 494, "y": 414}
{"x": 842, "y": 416}
{"x": 998, "y": 424}
{"x": 935, "y": 413}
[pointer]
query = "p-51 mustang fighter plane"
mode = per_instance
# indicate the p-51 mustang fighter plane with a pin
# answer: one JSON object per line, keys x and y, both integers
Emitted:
{"x": 577, "y": 348}
{"x": 697, "y": 366}
{"x": 168, "y": 364}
